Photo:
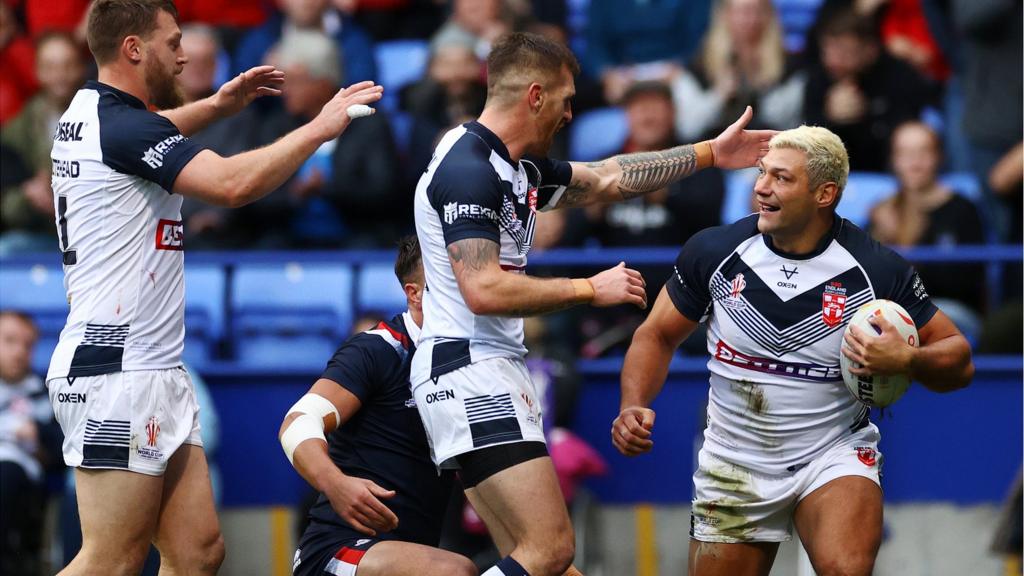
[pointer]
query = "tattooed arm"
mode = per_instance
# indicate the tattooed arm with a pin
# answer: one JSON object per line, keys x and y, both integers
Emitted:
{"x": 630, "y": 175}
{"x": 489, "y": 290}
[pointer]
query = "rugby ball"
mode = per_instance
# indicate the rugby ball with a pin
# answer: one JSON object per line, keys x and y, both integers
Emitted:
{"x": 878, "y": 391}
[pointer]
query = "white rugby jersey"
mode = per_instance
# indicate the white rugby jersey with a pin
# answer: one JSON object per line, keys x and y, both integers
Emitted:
{"x": 471, "y": 189}
{"x": 120, "y": 231}
{"x": 775, "y": 325}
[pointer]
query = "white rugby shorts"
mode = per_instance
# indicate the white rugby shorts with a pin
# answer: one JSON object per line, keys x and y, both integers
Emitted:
{"x": 735, "y": 504}
{"x": 486, "y": 403}
{"x": 126, "y": 420}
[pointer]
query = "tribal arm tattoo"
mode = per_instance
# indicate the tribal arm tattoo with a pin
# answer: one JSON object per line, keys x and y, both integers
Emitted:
{"x": 628, "y": 175}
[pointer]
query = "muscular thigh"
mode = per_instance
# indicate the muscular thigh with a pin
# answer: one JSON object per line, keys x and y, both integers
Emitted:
{"x": 841, "y": 523}
{"x": 731, "y": 558}
{"x": 528, "y": 500}
{"x": 393, "y": 558}
{"x": 188, "y": 518}
{"x": 118, "y": 509}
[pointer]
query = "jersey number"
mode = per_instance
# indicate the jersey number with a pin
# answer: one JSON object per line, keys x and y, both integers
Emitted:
{"x": 70, "y": 256}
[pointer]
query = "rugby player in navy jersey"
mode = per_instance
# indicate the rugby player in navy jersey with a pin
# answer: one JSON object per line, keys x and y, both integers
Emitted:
{"x": 786, "y": 443}
{"x": 357, "y": 438}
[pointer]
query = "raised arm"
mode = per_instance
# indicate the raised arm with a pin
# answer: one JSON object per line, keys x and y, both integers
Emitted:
{"x": 630, "y": 175}
{"x": 644, "y": 372}
{"x": 232, "y": 97}
{"x": 247, "y": 177}
{"x": 490, "y": 290}
{"x": 303, "y": 432}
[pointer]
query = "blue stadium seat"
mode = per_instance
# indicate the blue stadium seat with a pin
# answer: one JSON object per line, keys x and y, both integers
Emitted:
{"x": 38, "y": 291}
{"x": 204, "y": 312}
{"x": 290, "y": 315}
{"x": 379, "y": 291}
{"x": 863, "y": 191}
{"x": 796, "y": 17}
{"x": 399, "y": 62}
{"x": 739, "y": 189}
{"x": 963, "y": 183}
{"x": 597, "y": 134}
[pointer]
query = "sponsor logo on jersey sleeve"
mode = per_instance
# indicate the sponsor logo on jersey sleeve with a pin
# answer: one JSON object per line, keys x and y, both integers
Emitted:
{"x": 456, "y": 210}
{"x": 154, "y": 156}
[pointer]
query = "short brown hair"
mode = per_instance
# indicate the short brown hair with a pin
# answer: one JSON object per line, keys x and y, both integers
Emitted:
{"x": 111, "y": 21}
{"x": 407, "y": 265}
{"x": 525, "y": 52}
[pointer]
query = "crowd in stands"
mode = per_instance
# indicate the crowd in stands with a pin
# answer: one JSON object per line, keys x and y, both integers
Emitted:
{"x": 915, "y": 88}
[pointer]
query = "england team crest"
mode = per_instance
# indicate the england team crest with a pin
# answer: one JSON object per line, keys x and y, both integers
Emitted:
{"x": 833, "y": 303}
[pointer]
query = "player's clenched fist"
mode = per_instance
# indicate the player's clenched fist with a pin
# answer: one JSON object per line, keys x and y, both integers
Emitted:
{"x": 334, "y": 117}
{"x": 357, "y": 501}
{"x": 619, "y": 285}
{"x": 631, "y": 431}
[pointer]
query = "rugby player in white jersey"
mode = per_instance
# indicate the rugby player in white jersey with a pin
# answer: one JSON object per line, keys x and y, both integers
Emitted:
{"x": 118, "y": 389}
{"x": 475, "y": 210}
{"x": 786, "y": 443}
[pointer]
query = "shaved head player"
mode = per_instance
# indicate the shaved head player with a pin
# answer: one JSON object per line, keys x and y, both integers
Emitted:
{"x": 116, "y": 382}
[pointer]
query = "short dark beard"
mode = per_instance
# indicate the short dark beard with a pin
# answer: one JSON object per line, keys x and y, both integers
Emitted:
{"x": 164, "y": 91}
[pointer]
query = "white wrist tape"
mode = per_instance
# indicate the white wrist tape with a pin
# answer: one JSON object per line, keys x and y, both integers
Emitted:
{"x": 309, "y": 424}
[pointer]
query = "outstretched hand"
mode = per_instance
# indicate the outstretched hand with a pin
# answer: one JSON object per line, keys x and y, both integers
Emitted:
{"x": 334, "y": 118}
{"x": 736, "y": 147}
{"x": 241, "y": 90}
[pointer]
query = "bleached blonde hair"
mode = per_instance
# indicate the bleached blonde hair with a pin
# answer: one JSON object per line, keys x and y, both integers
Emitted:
{"x": 827, "y": 160}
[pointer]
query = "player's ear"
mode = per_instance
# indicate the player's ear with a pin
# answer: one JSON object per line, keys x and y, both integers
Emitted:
{"x": 535, "y": 94}
{"x": 826, "y": 194}
{"x": 413, "y": 293}
{"x": 131, "y": 46}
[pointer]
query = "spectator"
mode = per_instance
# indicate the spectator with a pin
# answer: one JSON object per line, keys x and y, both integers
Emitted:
{"x": 355, "y": 47}
{"x": 743, "y": 63}
{"x": 28, "y": 207}
{"x": 452, "y": 92}
{"x": 474, "y": 24}
{"x": 18, "y": 82}
{"x": 348, "y": 192}
{"x": 991, "y": 31}
{"x": 207, "y": 226}
{"x": 664, "y": 218}
{"x": 923, "y": 212}
{"x": 859, "y": 91}
{"x": 29, "y": 443}
{"x": 906, "y": 36}
{"x": 640, "y": 40}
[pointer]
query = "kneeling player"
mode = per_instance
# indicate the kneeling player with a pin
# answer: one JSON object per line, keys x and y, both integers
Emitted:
{"x": 377, "y": 452}
{"x": 786, "y": 444}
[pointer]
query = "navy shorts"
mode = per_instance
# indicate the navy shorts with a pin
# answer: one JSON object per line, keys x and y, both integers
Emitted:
{"x": 326, "y": 549}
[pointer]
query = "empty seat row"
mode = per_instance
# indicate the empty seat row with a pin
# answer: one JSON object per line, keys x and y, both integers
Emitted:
{"x": 266, "y": 315}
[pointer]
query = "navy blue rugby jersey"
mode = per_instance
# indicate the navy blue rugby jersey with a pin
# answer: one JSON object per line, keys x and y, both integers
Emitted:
{"x": 384, "y": 441}
{"x": 775, "y": 326}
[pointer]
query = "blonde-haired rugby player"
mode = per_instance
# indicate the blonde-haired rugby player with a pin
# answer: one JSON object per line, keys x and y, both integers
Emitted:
{"x": 786, "y": 443}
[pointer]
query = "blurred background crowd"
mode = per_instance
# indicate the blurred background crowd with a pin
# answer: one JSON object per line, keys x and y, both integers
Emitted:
{"x": 926, "y": 94}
